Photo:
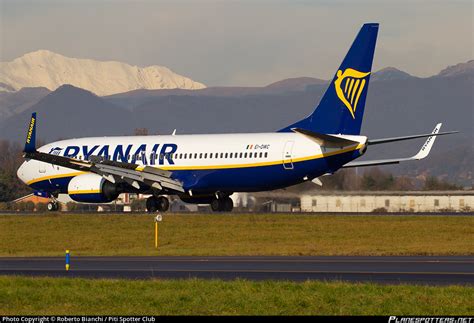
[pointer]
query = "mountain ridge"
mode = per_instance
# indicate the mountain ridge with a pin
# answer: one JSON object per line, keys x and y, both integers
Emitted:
{"x": 51, "y": 70}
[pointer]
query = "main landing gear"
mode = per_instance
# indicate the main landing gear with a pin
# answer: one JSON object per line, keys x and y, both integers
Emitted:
{"x": 159, "y": 203}
{"x": 224, "y": 204}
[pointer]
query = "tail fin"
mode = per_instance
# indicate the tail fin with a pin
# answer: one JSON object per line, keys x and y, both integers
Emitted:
{"x": 342, "y": 107}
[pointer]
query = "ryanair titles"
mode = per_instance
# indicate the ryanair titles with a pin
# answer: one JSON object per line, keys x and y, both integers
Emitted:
{"x": 158, "y": 155}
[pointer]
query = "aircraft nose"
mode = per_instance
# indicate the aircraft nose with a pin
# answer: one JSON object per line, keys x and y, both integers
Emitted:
{"x": 21, "y": 173}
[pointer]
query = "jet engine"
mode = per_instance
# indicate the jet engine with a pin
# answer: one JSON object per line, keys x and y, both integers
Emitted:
{"x": 92, "y": 188}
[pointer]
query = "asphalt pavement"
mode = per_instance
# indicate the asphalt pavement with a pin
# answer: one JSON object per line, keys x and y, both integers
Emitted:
{"x": 431, "y": 270}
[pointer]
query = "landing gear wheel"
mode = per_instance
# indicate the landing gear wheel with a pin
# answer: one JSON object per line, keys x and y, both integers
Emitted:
{"x": 163, "y": 204}
{"x": 227, "y": 204}
{"x": 152, "y": 204}
{"x": 216, "y": 205}
{"x": 52, "y": 206}
{"x": 222, "y": 205}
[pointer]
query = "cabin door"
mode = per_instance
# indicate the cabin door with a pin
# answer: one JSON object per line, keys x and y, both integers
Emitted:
{"x": 287, "y": 155}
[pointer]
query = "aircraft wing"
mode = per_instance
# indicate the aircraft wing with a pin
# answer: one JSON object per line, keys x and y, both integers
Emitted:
{"x": 424, "y": 151}
{"x": 112, "y": 171}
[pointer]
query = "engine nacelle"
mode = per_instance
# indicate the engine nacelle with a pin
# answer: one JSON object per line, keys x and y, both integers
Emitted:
{"x": 92, "y": 188}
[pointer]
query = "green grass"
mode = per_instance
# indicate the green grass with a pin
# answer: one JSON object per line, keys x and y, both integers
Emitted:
{"x": 50, "y": 235}
{"x": 43, "y": 296}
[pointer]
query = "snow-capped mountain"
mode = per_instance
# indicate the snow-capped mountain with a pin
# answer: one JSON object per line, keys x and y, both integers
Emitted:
{"x": 44, "y": 68}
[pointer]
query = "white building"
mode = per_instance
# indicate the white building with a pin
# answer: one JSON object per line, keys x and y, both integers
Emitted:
{"x": 416, "y": 201}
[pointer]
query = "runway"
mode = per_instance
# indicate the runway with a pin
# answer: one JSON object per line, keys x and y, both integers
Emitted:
{"x": 417, "y": 269}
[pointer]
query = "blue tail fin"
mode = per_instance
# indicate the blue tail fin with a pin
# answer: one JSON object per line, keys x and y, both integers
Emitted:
{"x": 342, "y": 107}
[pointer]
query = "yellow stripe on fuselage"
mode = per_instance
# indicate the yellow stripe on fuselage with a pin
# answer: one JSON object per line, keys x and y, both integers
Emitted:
{"x": 84, "y": 192}
{"x": 45, "y": 178}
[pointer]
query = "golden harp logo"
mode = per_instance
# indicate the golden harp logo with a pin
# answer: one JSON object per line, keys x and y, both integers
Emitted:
{"x": 349, "y": 86}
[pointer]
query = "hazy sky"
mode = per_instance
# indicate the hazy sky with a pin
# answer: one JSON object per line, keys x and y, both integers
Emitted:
{"x": 241, "y": 42}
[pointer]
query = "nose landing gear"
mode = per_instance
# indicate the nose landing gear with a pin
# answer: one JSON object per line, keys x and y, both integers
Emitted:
{"x": 159, "y": 203}
{"x": 53, "y": 206}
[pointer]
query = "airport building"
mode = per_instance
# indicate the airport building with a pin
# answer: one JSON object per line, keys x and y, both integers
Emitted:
{"x": 386, "y": 201}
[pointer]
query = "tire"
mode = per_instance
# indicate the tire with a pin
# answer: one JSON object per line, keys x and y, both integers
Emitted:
{"x": 222, "y": 205}
{"x": 228, "y": 204}
{"x": 152, "y": 204}
{"x": 163, "y": 204}
{"x": 52, "y": 207}
{"x": 216, "y": 205}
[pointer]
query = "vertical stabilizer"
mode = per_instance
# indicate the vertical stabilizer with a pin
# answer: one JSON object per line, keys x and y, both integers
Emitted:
{"x": 342, "y": 107}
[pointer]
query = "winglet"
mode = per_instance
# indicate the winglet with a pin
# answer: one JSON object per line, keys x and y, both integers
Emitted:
{"x": 425, "y": 150}
{"x": 30, "y": 143}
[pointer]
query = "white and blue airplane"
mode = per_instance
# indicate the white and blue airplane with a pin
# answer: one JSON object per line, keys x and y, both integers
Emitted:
{"x": 208, "y": 169}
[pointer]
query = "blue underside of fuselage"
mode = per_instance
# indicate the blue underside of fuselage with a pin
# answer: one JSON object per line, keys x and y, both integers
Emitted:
{"x": 246, "y": 179}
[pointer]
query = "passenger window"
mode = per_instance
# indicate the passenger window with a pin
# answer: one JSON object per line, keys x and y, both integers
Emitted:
{"x": 250, "y": 155}
{"x": 205, "y": 156}
{"x": 210, "y": 155}
{"x": 241, "y": 155}
{"x": 245, "y": 155}
{"x": 261, "y": 155}
{"x": 230, "y": 156}
{"x": 266, "y": 155}
{"x": 195, "y": 155}
{"x": 222, "y": 155}
{"x": 200, "y": 156}
{"x": 225, "y": 155}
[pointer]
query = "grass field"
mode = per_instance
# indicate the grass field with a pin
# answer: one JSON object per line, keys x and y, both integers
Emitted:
{"x": 50, "y": 235}
{"x": 39, "y": 296}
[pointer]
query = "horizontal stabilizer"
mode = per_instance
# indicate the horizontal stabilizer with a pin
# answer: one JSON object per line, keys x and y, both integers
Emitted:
{"x": 326, "y": 140}
{"x": 385, "y": 140}
{"x": 423, "y": 153}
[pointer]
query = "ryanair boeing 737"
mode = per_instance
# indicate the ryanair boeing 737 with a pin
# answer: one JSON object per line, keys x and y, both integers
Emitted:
{"x": 208, "y": 169}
